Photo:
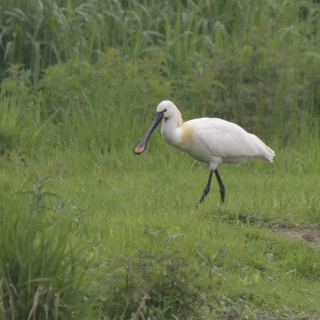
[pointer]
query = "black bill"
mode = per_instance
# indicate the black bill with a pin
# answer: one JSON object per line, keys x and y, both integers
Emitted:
{"x": 143, "y": 143}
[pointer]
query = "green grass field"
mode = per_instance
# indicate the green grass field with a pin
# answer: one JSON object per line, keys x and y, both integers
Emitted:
{"x": 150, "y": 206}
{"x": 88, "y": 229}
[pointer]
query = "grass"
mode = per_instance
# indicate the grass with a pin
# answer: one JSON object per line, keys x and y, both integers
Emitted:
{"x": 118, "y": 211}
{"x": 88, "y": 229}
{"x": 81, "y": 132}
{"x": 37, "y": 263}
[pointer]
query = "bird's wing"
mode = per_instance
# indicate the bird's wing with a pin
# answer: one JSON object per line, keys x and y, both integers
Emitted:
{"x": 225, "y": 139}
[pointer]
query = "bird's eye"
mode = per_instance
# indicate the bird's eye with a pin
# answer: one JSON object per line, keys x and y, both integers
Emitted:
{"x": 165, "y": 110}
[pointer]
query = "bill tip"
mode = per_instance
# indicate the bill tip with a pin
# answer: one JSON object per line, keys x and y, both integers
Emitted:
{"x": 139, "y": 150}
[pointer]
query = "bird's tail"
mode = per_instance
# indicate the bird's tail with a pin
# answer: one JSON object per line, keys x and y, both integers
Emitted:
{"x": 264, "y": 152}
{"x": 270, "y": 154}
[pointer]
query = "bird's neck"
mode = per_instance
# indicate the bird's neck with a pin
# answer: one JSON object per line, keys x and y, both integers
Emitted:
{"x": 169, "y": 131}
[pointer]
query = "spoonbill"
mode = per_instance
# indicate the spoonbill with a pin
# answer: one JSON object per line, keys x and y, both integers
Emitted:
{"x": 210, "y": 140}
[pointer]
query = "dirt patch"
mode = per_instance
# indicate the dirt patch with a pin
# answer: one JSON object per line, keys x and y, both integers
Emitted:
{"x": 310, "y": 232}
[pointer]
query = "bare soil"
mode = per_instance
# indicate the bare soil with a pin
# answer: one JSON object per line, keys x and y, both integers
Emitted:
{"x": 309, "y": 232}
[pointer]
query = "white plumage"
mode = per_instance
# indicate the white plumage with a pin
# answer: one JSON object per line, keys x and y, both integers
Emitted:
{"x": 210, "y": 140}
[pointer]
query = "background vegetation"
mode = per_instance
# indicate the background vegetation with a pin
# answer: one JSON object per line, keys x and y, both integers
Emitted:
{"x": 88, "y": 229}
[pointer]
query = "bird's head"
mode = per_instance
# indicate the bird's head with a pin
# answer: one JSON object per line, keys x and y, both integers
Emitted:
{"x": 169, "y": 110}
{"x": 165, "y": 110}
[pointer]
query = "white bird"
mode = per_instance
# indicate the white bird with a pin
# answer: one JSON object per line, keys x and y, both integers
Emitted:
{"x": 210, "y": 140}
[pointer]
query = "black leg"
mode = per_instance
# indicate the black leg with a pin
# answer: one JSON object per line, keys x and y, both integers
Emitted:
{"x": 222, "y": 190}
{"x": 207, "y": 188}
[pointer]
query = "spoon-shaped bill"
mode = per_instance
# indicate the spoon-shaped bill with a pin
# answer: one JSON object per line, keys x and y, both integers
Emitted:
{"x": 143, "y": 143}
